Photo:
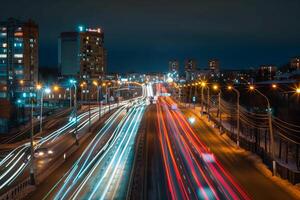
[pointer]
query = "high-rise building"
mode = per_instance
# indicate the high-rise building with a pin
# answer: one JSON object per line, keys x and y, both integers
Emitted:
{"x": 214, "y": 65}
{"x": 18, "y": 69}
{"x": 173, "y": 66}
{"x": 295, "y": 63}
{"x": 18, "y": 56}
{"x": 267, "y": 72}
{"x": 82, "y": 53}
{"x": 190, "y": 69}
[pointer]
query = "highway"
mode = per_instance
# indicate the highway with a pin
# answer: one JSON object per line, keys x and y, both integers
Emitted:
{"x": 192, "y": 171}
{"x": 103, "y": 170}
{"x": 236, "y": 162}
{"x": 15, "y": 165}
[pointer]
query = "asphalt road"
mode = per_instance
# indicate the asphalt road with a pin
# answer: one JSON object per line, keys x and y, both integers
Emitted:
{"x": 256, "y": 184}
{"x": 155, "y": 178}
{"x": 49, "y": 187}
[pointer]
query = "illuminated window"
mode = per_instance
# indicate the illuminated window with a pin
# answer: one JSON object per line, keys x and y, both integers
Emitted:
{"x": 18, "y": 44}
{"x": 4, "y": 45}
{"x": 19, "y": 72}
{"x": 19, "y": 61}
{"x": 3, "y": 55}
{"x": 18, "y": 55}
{"x": 19, "y": 34}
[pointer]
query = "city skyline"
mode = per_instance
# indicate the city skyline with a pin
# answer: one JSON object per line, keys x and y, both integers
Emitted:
{"x": 143, "y": 37}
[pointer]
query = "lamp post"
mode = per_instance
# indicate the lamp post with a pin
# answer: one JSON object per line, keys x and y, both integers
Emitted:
{"x": 203, "y": 84}
{"x": 73, "y": 83}
{"x": 208, "y": 103}
{"x": 70, "y": 96}
{"x": 216, "y": 87}
{"x": 238, "y": 114}
{"x": 82, "y": 85}
{"x": 270, "y": 127}
{"x": 47, "y": 91}
{"x": 98, "y": 96}
{"x": 32, "y": 167}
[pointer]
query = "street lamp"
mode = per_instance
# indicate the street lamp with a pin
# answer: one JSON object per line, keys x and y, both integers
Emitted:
{"x": 274, "y": 86}
{"x": 203, "y": 84}
{"x": 252, "y": 88}
{"x": 73, "y": 83}
{"x": 216, "y": 87}
{"x": 238, "y": 114}
{"x": 55, "y": 88}
{"x": 47, "y": 91}
{"x": 98, "y": 96}
{"x": 297, "y": 90}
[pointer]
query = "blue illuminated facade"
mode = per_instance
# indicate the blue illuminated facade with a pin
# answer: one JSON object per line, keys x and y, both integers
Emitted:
{"x": 18, "y": 64}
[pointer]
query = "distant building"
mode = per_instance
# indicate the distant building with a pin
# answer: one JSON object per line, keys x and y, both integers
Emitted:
{"x": 173, "y": 66}
{"x": 267, "y": 72}
{"x": 214, "y": 66}
{"x": 18, "y": 56}
{"x": 295, "y": 63}
{"x": 173, "y": 70}
{"x": 82, "y": 54}
{"x": 190, "y": 68}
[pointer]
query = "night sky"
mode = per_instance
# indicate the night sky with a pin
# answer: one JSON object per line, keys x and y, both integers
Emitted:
{"x": 143, "y": 35}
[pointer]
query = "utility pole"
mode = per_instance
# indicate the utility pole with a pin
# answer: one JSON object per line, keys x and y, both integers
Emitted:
{"x": 208, "y": 103}
{"x": 32, "y": 167}
{"x": 270, "y": 128}
{"x": 219, "y": 102}
{"x": 89, "y": 102}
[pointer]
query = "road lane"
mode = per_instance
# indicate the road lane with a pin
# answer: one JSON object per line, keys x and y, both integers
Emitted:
{"x": 194, "y": 173}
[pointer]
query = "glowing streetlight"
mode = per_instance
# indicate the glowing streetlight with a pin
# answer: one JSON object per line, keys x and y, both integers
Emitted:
{"x": 38, "y": 86}
{"x": 238, "y": 113}
{"x": 73, "y": 83}
{"x": 22, "y": 82}
{"x": 274, "y": 86}
{"x": 215, "y": 87}
{"x": 55, "y": 88}
{"x": 95, "y": 83}
{"x": 47, "y": 91}
{"x": 270, "y": 127}
{"x": 297, "y": 90}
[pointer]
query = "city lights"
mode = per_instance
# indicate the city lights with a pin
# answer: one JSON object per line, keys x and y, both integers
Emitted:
{"x": 38, "y": 86}
{"x": 192, "y": 120}
{"x": 298, "y": 90}
{"x": 95, "y": 83}
{"x": 274, "y": 86}
{"x": 215, "y": 87}
{"x": 55, "y": 88}
{"x": 251, "y": 87}
{"x": 47, "y": 90}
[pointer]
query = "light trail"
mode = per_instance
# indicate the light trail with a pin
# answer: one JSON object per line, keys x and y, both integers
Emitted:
{"x": 104, "y": 165}
{"x": 13, "y": 160}
{"x": 188, "y": 170}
